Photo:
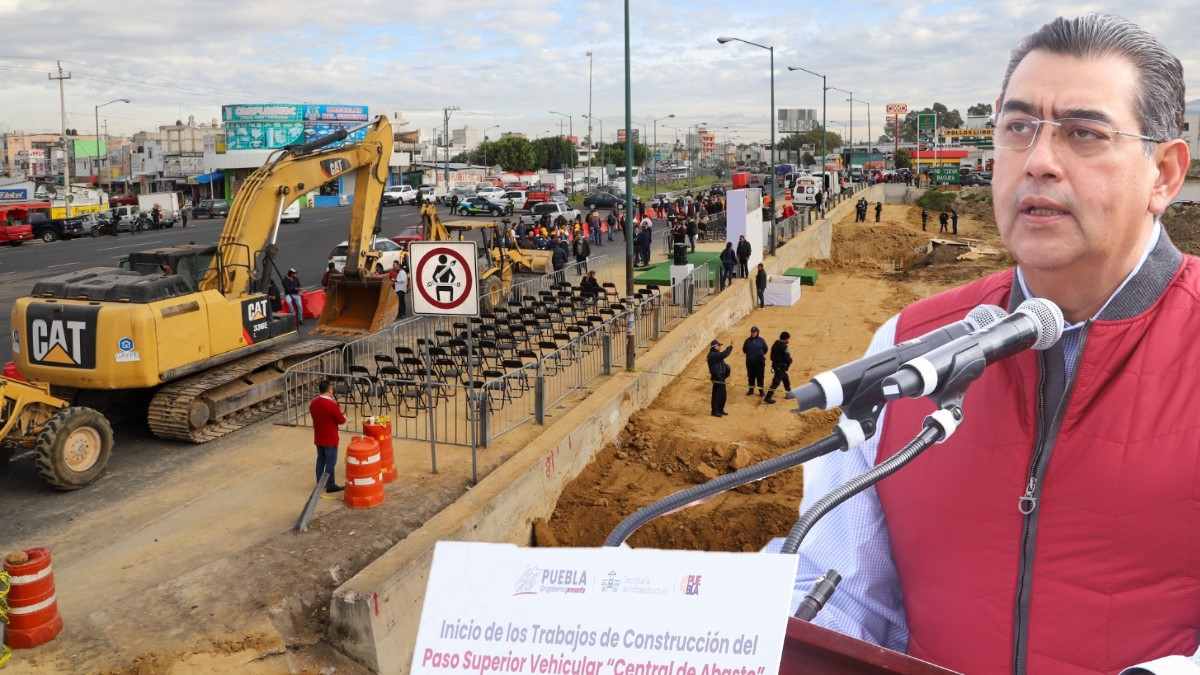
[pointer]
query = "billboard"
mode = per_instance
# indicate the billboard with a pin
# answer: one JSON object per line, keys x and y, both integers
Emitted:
{"x": 269, "y": 126}
{"x": 86, "y": 147}
{"x": 897, "y": 109}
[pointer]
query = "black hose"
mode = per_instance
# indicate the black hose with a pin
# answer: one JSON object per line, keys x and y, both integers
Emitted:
{"x": 930, "y": 434}
{"x": 832, "y": 442}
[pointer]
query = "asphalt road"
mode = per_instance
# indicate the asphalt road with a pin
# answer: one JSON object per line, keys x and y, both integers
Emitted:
{"x": 305, "y": 245}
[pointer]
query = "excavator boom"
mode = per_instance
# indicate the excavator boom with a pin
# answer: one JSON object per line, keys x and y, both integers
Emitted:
{"x": 358, "y": 301}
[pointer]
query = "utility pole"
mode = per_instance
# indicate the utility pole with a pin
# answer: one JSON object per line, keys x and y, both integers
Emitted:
{"x": 591, "y": 154}
{"x": 446, "y": 141}
{"x": 62, "y": 111}
{"x": 630, "y": 217}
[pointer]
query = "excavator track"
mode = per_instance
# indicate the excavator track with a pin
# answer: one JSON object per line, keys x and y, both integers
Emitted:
{"x": 170, "y": 410}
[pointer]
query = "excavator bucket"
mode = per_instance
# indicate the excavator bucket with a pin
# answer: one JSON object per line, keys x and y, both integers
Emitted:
{"x": 534, "y": 261}
{"x": 357, "y": 306}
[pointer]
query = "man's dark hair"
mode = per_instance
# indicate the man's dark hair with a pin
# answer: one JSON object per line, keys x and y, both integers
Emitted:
{"x": 1159, "y": 102}
{"x": 325, "y": 386}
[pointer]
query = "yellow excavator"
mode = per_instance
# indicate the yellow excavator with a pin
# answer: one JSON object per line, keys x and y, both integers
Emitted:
{"x": 190, "y": 328}
{"x": 502, "y": 256}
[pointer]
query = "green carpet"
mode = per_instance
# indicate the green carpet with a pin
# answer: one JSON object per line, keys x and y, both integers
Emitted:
{"x": 660, "y": 273}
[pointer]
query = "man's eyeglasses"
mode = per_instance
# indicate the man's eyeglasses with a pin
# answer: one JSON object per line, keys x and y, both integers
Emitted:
{"x": 1084, "y": 137}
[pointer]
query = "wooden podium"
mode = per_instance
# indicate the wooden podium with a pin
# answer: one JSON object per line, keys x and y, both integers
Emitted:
{"x": 808, "y": 648}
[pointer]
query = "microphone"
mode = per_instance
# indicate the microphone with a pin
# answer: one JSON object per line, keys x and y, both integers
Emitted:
{"x": 818, "y": 596}
{"x": 1036, "y": 324}
{"x": 833, "y": 387}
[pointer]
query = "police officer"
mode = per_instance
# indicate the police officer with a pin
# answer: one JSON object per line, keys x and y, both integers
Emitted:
{"x": 718, "y": 372}
{"x": 781, "y": 360}
{"x": 755, "y": 349}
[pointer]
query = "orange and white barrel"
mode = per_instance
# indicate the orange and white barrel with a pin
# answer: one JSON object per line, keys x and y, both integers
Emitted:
{"x": 33, "y": 617}
{"x": 364, "y": 473}
{"x": 380, "y": 428}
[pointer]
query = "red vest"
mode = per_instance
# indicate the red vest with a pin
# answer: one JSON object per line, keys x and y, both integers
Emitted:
{"x": 1116, "y": 563}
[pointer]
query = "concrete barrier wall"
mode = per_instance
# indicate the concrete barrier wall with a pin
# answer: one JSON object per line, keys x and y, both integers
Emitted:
{"x": 375, "y": 615}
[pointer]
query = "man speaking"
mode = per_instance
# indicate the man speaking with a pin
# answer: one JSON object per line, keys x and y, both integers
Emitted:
{"x": 1056, "y": 532}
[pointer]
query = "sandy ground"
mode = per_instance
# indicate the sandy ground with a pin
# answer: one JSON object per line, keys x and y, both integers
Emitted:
{"x": 675, "y": 443}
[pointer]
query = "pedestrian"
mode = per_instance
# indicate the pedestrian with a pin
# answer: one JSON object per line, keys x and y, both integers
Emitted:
{"x": 760, "y": 285}
{"x": 691, "y": 230}
{"x": 156, "y": 216}
{"x": 594, "y": 225}
{"x": 924, "y": 218}
{"x": 954, "y": 220}
{"x": 183, "y": 215}
{"x": 326, "y": 416}
{"x": 291, "y": 293}
{"x": 718, "y": 372}
{"x": 943, "y": 219}
{"x": 781, "y": 360}
{"x": 878, "y": 210}
{"x": 400, "y": 284}
{"x": 582, "y": 249}
{"x": 819, "y": 198}
{"x": 558, "y": 258}
{"x": 755, "y": 349}
{"x": 611, "y": 224}
{"x": 728, "y": 264}
{"x": 589, "y": 288}
{"x": 743, "y": 256}
{"x": 330, "y": 270}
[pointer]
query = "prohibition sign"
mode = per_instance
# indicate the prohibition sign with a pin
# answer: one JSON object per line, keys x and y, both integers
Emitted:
{"x": 463, "y": 268}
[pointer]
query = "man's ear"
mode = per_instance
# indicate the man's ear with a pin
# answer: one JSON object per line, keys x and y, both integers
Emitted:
{"x": 1172, "y": 160}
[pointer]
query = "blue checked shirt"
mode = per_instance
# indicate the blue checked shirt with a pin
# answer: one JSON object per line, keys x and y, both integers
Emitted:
{"x": 853, "y": 538}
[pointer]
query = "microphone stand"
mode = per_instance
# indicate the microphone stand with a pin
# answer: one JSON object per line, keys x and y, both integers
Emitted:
{"x": 937, "y": 427}
{"x": 860, "y": 418}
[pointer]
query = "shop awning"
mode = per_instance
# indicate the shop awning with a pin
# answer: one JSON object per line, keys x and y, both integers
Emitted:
{"x": 206, "y": 178}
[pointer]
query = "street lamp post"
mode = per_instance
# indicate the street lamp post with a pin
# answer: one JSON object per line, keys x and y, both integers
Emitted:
{"x": 630, "y": 339}
{"x": 654, "y": 153}
{"x": 771, "y": 120}
{"x": 485, "y": 130}
{"x": 96, "y": 111}
{"x": 851, "y": 128}
{"x": 446, "y": 141}
{"x": 571, "y": 132}
{"x": 591, "y": 156}
{"x": 824, "y": 128}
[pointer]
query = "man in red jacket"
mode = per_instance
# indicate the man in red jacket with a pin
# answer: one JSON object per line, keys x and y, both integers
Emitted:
{"x": 326, "y": 417}
{"x": 1055, "y": 532}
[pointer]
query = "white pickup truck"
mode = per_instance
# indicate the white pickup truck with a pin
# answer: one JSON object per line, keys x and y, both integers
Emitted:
{"x": 553, "y": 208}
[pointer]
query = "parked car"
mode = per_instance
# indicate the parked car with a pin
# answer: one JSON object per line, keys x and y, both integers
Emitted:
{"x": 389, "y": 252}
{"x": 408, "y": 234}
{"x": 602, "y": 200}
{"x": 552, "y": 208}
{"x": 515, "y": 199}
{"x": 482, "y": 206}
{"x": 15, "y": 234}
{"x": 291, "y": 214}
{"x": 210, "y": 208}
{"x": 52, "y": 230}
{"x": 399, "y": 194}
{"x": 128, "y": 218}
{"x": 460, "y": 192}
{"x": 490, "y": 191}
{"x": 974, "y": 179}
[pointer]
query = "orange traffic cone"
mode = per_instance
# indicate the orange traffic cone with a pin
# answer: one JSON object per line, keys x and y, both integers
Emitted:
{"x": 380, "y": 428}
{"x": 32, "y": 605}
{"x": 364, "y": 473}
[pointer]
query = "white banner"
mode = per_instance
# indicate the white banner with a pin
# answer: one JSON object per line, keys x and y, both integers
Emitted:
{"x": 498, "y": 608}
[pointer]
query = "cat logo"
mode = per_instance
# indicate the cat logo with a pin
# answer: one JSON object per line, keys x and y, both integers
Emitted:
{"x": 256, "y": 319}
{"x": 335, "y": 166}
{"x": 63, "y": 336}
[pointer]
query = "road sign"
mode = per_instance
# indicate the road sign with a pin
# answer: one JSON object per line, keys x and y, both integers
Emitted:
{"x": 444, "y": 278}
{"x": 897, "y": 108}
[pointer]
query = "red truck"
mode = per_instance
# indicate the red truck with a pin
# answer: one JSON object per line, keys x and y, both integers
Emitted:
{"x": 14, "y": 221}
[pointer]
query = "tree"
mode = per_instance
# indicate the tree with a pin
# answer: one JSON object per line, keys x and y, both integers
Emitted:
{"x": 903, "y": 159}
{"x": 807, "y": 159}
{"x": 462, "y": 158}
{"x": 980, "y": 109}
{"x": 512, "y": 153}
{"x": 946, "y": 118}
{"x": 615, "y": 154}
{"x": 554, "y": 153}
{"x": 812, "y": 138}
{"x": 884, "y": 138}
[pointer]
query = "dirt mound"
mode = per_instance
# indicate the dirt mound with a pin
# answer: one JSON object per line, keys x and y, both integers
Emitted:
{"x": 652, "y": 459}
{"x": 977, "y": 203}
{"x": 1183, "y": 224}
{"x": 878, "y": 244}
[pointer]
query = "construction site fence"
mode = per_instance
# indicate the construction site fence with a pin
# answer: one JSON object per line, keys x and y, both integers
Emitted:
{"x": 473, "y": 401}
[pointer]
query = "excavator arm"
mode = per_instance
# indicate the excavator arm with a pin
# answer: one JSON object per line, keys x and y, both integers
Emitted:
{"x": 357, "y": 301}
{"x": 253, "y": 222}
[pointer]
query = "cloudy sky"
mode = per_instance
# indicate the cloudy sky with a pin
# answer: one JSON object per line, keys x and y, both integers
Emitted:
{"x": 510, "y": 62}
